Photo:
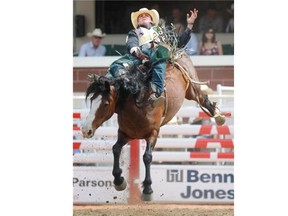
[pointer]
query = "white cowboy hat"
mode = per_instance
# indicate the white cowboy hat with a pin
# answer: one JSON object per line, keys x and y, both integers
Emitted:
{"x": 97, "y": 32}
{"x": 153, "y": 13}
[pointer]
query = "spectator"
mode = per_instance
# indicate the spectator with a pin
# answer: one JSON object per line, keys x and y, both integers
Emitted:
{"x": 177, "y": 21}
{"x": 93, "y": 47}
{"x": 230, "y": 25}
{"x": 209, "y": 45}
{"x": 191, "y": 47}
{"x": 211, "y": 19}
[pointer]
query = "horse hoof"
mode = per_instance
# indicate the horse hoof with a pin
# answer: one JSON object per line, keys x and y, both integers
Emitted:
{"x": 220, "y": 119}
{"x": 122, "y": 186}
{"x": 147, "y": 197}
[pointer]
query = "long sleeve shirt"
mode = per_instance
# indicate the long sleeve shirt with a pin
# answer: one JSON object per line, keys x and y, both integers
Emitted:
{"x": 132, "y": 39}
{"x": 88, "y": 49}
{"x": 191, "y": 47}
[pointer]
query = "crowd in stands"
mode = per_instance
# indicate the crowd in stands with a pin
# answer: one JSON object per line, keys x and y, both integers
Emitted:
{"x": 208, "y": 26}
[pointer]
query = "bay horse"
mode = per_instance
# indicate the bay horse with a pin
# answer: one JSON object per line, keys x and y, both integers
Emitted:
{"x": 139, "y": 120}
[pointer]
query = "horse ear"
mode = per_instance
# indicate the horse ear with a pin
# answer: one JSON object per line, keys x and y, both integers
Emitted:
{"x": 93, "y": 77}
{"x": 107, "y": 86}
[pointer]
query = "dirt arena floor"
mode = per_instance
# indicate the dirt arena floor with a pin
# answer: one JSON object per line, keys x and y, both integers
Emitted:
{"x": 154, "y": 210}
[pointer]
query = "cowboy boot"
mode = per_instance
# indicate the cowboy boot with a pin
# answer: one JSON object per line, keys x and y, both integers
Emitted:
{"x": 154, "y": 99}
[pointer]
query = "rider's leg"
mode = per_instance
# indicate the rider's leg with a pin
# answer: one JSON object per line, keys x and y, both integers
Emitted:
{"x": 158, "y": 59}
{"x": 157, "y": 84}
{"x": 122, "y": 65}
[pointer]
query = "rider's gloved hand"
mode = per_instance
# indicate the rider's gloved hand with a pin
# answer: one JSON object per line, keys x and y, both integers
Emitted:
{"x": 139, "y": 54}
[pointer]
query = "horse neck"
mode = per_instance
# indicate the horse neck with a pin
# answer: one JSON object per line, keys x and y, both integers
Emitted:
{"x": 114, "y": 97}
{"x": 124, "y": 102}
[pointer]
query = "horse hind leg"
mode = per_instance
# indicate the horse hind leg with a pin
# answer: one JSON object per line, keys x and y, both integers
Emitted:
{"x": 119, "y": 181}
{"x": 147, "y": 193}
{"x": 195, "y": 93}
{"x": 202, "y": 99}
{"x": 213, "y": 110}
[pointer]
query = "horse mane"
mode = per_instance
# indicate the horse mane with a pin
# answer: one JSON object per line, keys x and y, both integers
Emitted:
{"x": 133, "y": 83}
{"x": 136, "y": 80}
{"x": 94, "y": 88}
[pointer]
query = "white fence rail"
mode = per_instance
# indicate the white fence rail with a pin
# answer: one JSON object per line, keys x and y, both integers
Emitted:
{"x": 181, "y": 144}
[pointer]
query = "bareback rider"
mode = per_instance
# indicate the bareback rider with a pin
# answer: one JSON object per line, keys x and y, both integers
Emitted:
{"x": 143, "y": 44}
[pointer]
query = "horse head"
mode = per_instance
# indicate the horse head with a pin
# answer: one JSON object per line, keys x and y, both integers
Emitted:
{"x": 102, "y": 104}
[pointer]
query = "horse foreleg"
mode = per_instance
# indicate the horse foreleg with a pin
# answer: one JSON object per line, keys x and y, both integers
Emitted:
{"x": 119, "y": 182}
{"x": 147, "y": 159}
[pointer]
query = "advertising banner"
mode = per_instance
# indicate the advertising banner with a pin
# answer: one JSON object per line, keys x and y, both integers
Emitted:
{"x": 93, "y": 185}
{"x": 192, "y": 184}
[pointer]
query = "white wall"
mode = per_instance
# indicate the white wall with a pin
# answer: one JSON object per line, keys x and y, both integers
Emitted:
{"x": 106, "y": 61}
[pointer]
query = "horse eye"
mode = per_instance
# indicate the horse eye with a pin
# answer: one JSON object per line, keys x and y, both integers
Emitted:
{"x": 106, "y": 103}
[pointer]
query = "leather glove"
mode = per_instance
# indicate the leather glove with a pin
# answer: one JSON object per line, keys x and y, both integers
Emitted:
{"x": 139, "y": 54}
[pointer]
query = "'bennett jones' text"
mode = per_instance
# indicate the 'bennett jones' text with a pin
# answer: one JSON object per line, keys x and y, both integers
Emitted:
{"x": 193, "y": 176}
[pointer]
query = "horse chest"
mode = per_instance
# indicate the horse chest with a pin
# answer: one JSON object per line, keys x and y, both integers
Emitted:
{"x": 138, "y": 125}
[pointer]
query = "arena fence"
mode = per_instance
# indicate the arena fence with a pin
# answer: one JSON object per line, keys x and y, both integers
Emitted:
{"x": 191, "y": 163}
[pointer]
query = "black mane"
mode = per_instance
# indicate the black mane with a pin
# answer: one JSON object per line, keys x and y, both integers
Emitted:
{"x": 135, "y": 81}
{"x": 132, "y": 83}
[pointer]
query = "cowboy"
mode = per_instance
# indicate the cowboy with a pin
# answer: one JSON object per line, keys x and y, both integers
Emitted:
{"x": 93, "y": 47}
{"x": 141, "y": 43}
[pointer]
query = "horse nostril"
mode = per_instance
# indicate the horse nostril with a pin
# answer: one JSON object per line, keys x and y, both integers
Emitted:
{"x": 89, "y": 132}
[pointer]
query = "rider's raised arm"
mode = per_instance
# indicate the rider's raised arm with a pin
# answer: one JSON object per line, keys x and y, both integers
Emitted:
{"x": 185, "y": 36}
